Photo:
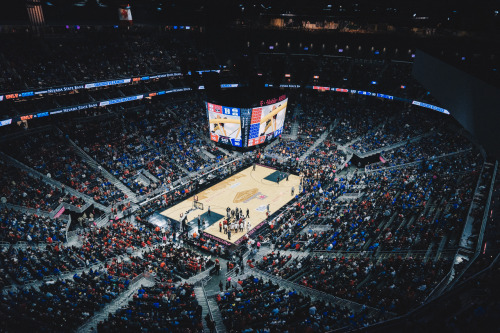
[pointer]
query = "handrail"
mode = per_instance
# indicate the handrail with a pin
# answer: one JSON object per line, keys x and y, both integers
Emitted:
{"x": 486, "y": 211}
{"x": 27, "y": 210}
{"x": 396, "y": 252}
{"x": 68, "y": 206}
{"x": 50, "y": 181}
{"x": 405, "y": 165}
{"x": 161, "y": 191}
{"x": 208, "y": 304}
{"x": 392, "y": 146}
{"x": 426, "y": 302}
{"x": 320, "y": 293}
{"x": 482, "y": 230}
{"x": 476, "y": 189}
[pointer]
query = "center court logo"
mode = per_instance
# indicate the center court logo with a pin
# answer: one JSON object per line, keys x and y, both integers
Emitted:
{"x": 245, "y": 196}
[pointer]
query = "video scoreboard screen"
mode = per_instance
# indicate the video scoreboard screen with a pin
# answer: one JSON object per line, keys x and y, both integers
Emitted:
{"x": 246, "y": 127}
{"x": 267, "y": 123}
{"x": 225, "y": 124}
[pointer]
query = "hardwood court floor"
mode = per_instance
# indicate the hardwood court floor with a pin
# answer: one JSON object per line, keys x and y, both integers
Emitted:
{"x": 246, "y": 189}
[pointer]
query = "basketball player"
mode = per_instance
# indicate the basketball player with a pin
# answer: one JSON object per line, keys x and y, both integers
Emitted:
{"x": 219, "y": 126}
{"x": 271, "y": 121}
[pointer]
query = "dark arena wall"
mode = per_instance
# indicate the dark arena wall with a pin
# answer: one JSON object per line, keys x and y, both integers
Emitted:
{"x": 471, "y": 101}
{"x": 361, "y": 162}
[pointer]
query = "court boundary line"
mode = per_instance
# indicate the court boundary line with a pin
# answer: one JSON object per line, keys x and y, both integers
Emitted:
{"x": 269, "y": 184}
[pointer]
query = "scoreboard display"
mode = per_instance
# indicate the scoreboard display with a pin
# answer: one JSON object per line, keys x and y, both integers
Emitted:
{"x": 225, "y": 124}
{"x": 247, "y": 127}
{"x": 266, "y": 123}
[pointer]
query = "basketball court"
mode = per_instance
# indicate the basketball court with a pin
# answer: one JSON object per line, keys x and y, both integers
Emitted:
{"x": 248, "y": 189}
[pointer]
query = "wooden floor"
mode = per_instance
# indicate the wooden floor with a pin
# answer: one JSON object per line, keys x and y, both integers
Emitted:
{"x": 246, "y": 189}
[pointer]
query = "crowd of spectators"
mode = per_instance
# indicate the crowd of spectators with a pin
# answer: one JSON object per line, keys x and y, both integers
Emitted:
{"x": 105, "y": 54}
{"x": 291, "y": 149}
{"x": 434, "y": 145}
{"x": 414, "y": 210}
{"x": 18, "y": 188}
{"x": 408, "y": 209}
{"x": 315, "y": 116}
{"x": 121, "y": 151}
{"x": 164, "y": 307}
{"x": 147, "y": 149}
{"x": 252, "y": 304}
{"x": 16, "y": 226}
{"x": 407, "y": 125}
{"x": 117, "y": 238}
{"x": 194, "y": 111}
{"x": 60, "y": 305}
{"x": 327, "y": 157}
{"x": 35, "y": 263}
{"x": 355, "y": 118}
{"x": 395, "y": 284}
{"x": 167, "y": 262}
{"x": 49, "y": 154}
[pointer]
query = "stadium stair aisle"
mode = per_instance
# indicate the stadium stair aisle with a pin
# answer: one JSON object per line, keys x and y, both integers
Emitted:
{"x": 294, "y": 128}
{"x": 150, "y": 176}
{"x": 391, "y": 147}
{"x": 204, "y": 154}
{"x": 316, "y": 144}
{"x": 373, "y": 130}
{"x": 202, "y": 301}
{"x": 27, "y": 210}
{"x": 271, "y": 145}
{"x": 68, "y": 275}
{"x": 467, "y": 230}
{"x": 441, "y": 247}
{"x": 216, "y": 316}
{"x": 209, "y": 308}
{"x": 131, "y": 195}
{"x": 225, "y": 151}
{"x": 315, "y": 294}
{"x": 205, "y": 295}
{"x": 428, "y": 252}
{"x": 91, "y": 324}
{"x": 52, "y": 182}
